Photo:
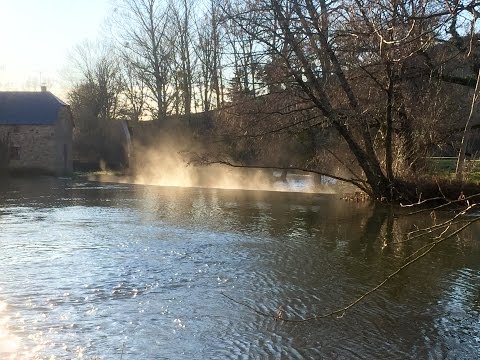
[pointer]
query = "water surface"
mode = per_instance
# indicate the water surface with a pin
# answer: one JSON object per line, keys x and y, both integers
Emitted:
{"x": 91, "y": 270}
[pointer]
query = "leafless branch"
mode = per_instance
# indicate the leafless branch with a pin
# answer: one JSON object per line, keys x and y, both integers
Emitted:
{"x": 203, "y": 160}
{"x": 340, "y": 312}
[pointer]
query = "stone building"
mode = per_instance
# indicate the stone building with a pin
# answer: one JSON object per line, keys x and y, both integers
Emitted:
{"x": 35, "y": 133}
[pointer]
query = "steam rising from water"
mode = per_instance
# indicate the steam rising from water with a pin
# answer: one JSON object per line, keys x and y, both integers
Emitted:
{"x": 167, "y": 167}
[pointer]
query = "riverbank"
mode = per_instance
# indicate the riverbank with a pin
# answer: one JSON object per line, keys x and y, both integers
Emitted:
{"x": 443, "y": 191}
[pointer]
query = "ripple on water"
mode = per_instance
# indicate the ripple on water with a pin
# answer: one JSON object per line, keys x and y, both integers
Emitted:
{"x": 97, "y": 270}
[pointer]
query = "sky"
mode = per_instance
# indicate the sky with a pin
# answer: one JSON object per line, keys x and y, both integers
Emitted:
{"x": 36, "y": 37}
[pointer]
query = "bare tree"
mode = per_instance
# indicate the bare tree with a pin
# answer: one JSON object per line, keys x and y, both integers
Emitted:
{"x": 350, "y": 63}
{"x": 134, "y": 91}
{"x": 142, "y": 29}
{"x": 467, "y": 133}
{"x": 100, "y": 82}
{"x": 244, "y": 51}
{"x": 183, "y": 50}
{"x": 209, "y": 53}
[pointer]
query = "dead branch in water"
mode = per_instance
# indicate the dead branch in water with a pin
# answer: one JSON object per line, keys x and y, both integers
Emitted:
{"x": 419, "y": 233}
{"x": 206, "y": 161}
{"x": 446, "y": 203}
{"x": 340, "y": 312}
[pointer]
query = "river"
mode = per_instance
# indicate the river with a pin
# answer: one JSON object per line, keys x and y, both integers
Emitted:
{"x": 116, "y": 271}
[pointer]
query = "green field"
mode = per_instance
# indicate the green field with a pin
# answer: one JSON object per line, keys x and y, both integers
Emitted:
{"x": 446, "y": 166}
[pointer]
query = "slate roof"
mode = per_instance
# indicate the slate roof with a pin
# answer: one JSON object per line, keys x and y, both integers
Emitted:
{"x": 29, "y": 108}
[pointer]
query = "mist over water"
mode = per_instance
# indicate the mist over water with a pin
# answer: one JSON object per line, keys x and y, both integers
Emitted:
{"x": 168, "y": 167}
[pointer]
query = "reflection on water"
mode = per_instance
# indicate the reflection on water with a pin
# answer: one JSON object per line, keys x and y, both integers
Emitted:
{"x": 9, "y": 343}
{"x": 94, "y": 270}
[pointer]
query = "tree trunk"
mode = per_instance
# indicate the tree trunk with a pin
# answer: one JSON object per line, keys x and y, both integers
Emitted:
{"x": 380, "y": 185}
{"x": 466, "y": 134}
{"x": 389, "y": 123}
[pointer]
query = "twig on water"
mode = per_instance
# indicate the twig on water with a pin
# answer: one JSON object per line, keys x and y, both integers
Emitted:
{"x": 419, "y": 233}
{"x": 448, "y": 203}
{"x": 123, "y": 348}
{"x": 340, "y": 312}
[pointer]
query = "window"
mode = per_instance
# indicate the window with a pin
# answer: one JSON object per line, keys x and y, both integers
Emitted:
{"x": 14, "y": 153}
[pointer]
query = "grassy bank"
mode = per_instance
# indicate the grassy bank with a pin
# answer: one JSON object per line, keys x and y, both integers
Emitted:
{"x": 439, "y": 180}
{"x": 444, "y": 167}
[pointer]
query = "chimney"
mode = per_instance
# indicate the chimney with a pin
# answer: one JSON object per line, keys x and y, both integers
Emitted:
{"x": 43, "y": 88}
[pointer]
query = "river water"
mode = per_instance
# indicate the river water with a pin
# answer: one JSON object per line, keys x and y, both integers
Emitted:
{"x": 115, "y": 271}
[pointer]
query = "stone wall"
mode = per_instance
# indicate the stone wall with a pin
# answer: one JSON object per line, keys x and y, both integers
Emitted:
{"x": 45, "y": 149}
{"x": 63, "y": 142}
{"x": 31, "y": 147}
